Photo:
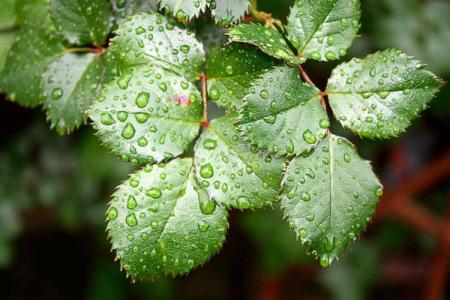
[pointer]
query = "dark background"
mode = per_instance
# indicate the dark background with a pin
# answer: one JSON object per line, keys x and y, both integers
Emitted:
{"x": 54, "y": 190}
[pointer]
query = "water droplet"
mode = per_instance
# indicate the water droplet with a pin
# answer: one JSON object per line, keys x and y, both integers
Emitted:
{"x": 112, "y": 213}
{"x": 306, "y": 197}
{"x": 309, "y": 137}
{"x": 379, "y": 192}
{"x": 214, "y": 93}
{"x": 210, "y": 144}
{"x": 347, "y": 157}
{"x": 131, "y": 220}
{"x": 107, "y": 119}
{"x": 303, "y": 233}
{"x": 142, "y": 99}
{"x": 203, "y": 226}
{"x": 155, "y": 193}
{"x": 324, "y": 123}
{"x": 264, "y": 94}
{"x": 206, "y": 171}
{"x": 207, "y": 207}
{"x": 128, "y": 131}
{"x": 57, "y": 93}
{"x": 229, "y": 70}
{"x": 131, "y": 203}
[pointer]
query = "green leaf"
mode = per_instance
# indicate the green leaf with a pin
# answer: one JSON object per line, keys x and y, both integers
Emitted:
{"x": 125, "y": 8}
{"x": 32, "y": 11}
{"x": 160, "y": 224}
{"x": 268, "y": 40}
{"x": 184, "y": 8}
{"x": 229, "y": 11}
{"x": 283, "y": 114}
{"x": 7, "y": 14}
{"x": 148, "y": 114}
{"x": 155, "y": 39}
{"x": 69, "y": 85}
{"x": 82, "y": 22}
{"x": 34, "y": 49}
{"x": 231, "y": 70}
{"x": 323, "y": 29}
{"x": 379, "y": 96}
{"x": 232, "y": 173}
{"x": 329, "y": 196}
{"x": 224, "y": 11}
{"x": 6, "y": 41}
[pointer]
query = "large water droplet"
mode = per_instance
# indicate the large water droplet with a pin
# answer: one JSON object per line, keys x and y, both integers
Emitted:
{"x": 128, "y": 131}
{"x": 155, "y": 193}
{"x": 206, "y": 171}
{"x": 131, "y": 220}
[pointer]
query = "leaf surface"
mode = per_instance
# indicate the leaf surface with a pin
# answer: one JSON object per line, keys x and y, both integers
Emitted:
{"x": 125, "y": 8}
{"x": 231, "y": 70}
{"x": 34, "y": 49}
{"x": 232, "y": 173}
{"x": 379, "y": 96}
{"x": 69, "y": 85}
{"x": 159, "y": 224}
{"x": 82, "y": 22}
{"x": 329, "y": 196}
{"x": 148, "y": 114}
{"x": 283, "y": 114}
{"x": 323, "y": 29}
{"x": 155, "y": 39}
{"x": 229, "y": 11}
{"x": 268, "y": 40}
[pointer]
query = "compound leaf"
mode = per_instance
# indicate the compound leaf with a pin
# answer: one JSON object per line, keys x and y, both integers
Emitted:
{"x": 231, "y": 70}
{"x": 148, "y": 114}
{"x": 229, "y": 11}
{"x": 323, "y": 29}
{"x": 33, "y": 50}
{"x": 379, "y": 96}
{"x": 268, "y": 40}
{"x": 232, "y": 173}
{"x": 69, "y": 85}
{"x": 283, "y": 114}
{"x": 329, "y": 196}
{"x": 159, "y": 223}
{"x": 155, "y": 39}
{"x": 82, "y": 21}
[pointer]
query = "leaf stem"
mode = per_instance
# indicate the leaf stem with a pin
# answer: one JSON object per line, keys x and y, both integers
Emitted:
{"x": 97, "y": 50}
{"x": 308, "y": 80}
{"x": 204, "y": 81}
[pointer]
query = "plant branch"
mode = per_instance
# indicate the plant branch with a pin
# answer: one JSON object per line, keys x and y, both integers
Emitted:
{"x": 308, "y": 80}
{"x": 204, "y": 80}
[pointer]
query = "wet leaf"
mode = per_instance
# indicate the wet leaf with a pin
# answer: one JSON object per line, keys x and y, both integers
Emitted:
{"x": 158, "y": 225}
{"x": 283, "y": 114}
{"x": 323, "y": 29}
{"x": 233, "y": 173}
{"x": 329, "y": 196}
{"x": 379, "y": 96}
{"x": 230, "y": 72}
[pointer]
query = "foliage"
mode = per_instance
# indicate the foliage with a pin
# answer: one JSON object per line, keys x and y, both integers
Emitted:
{"x": 145, "y": 79}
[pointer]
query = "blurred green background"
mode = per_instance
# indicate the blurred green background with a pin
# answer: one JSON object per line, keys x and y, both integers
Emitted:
{"x": 54, "y": 190}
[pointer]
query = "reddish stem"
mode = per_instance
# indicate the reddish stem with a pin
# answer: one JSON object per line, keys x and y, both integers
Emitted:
{"x": 204, "y": 80}
{"x": 308, "y": 80}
